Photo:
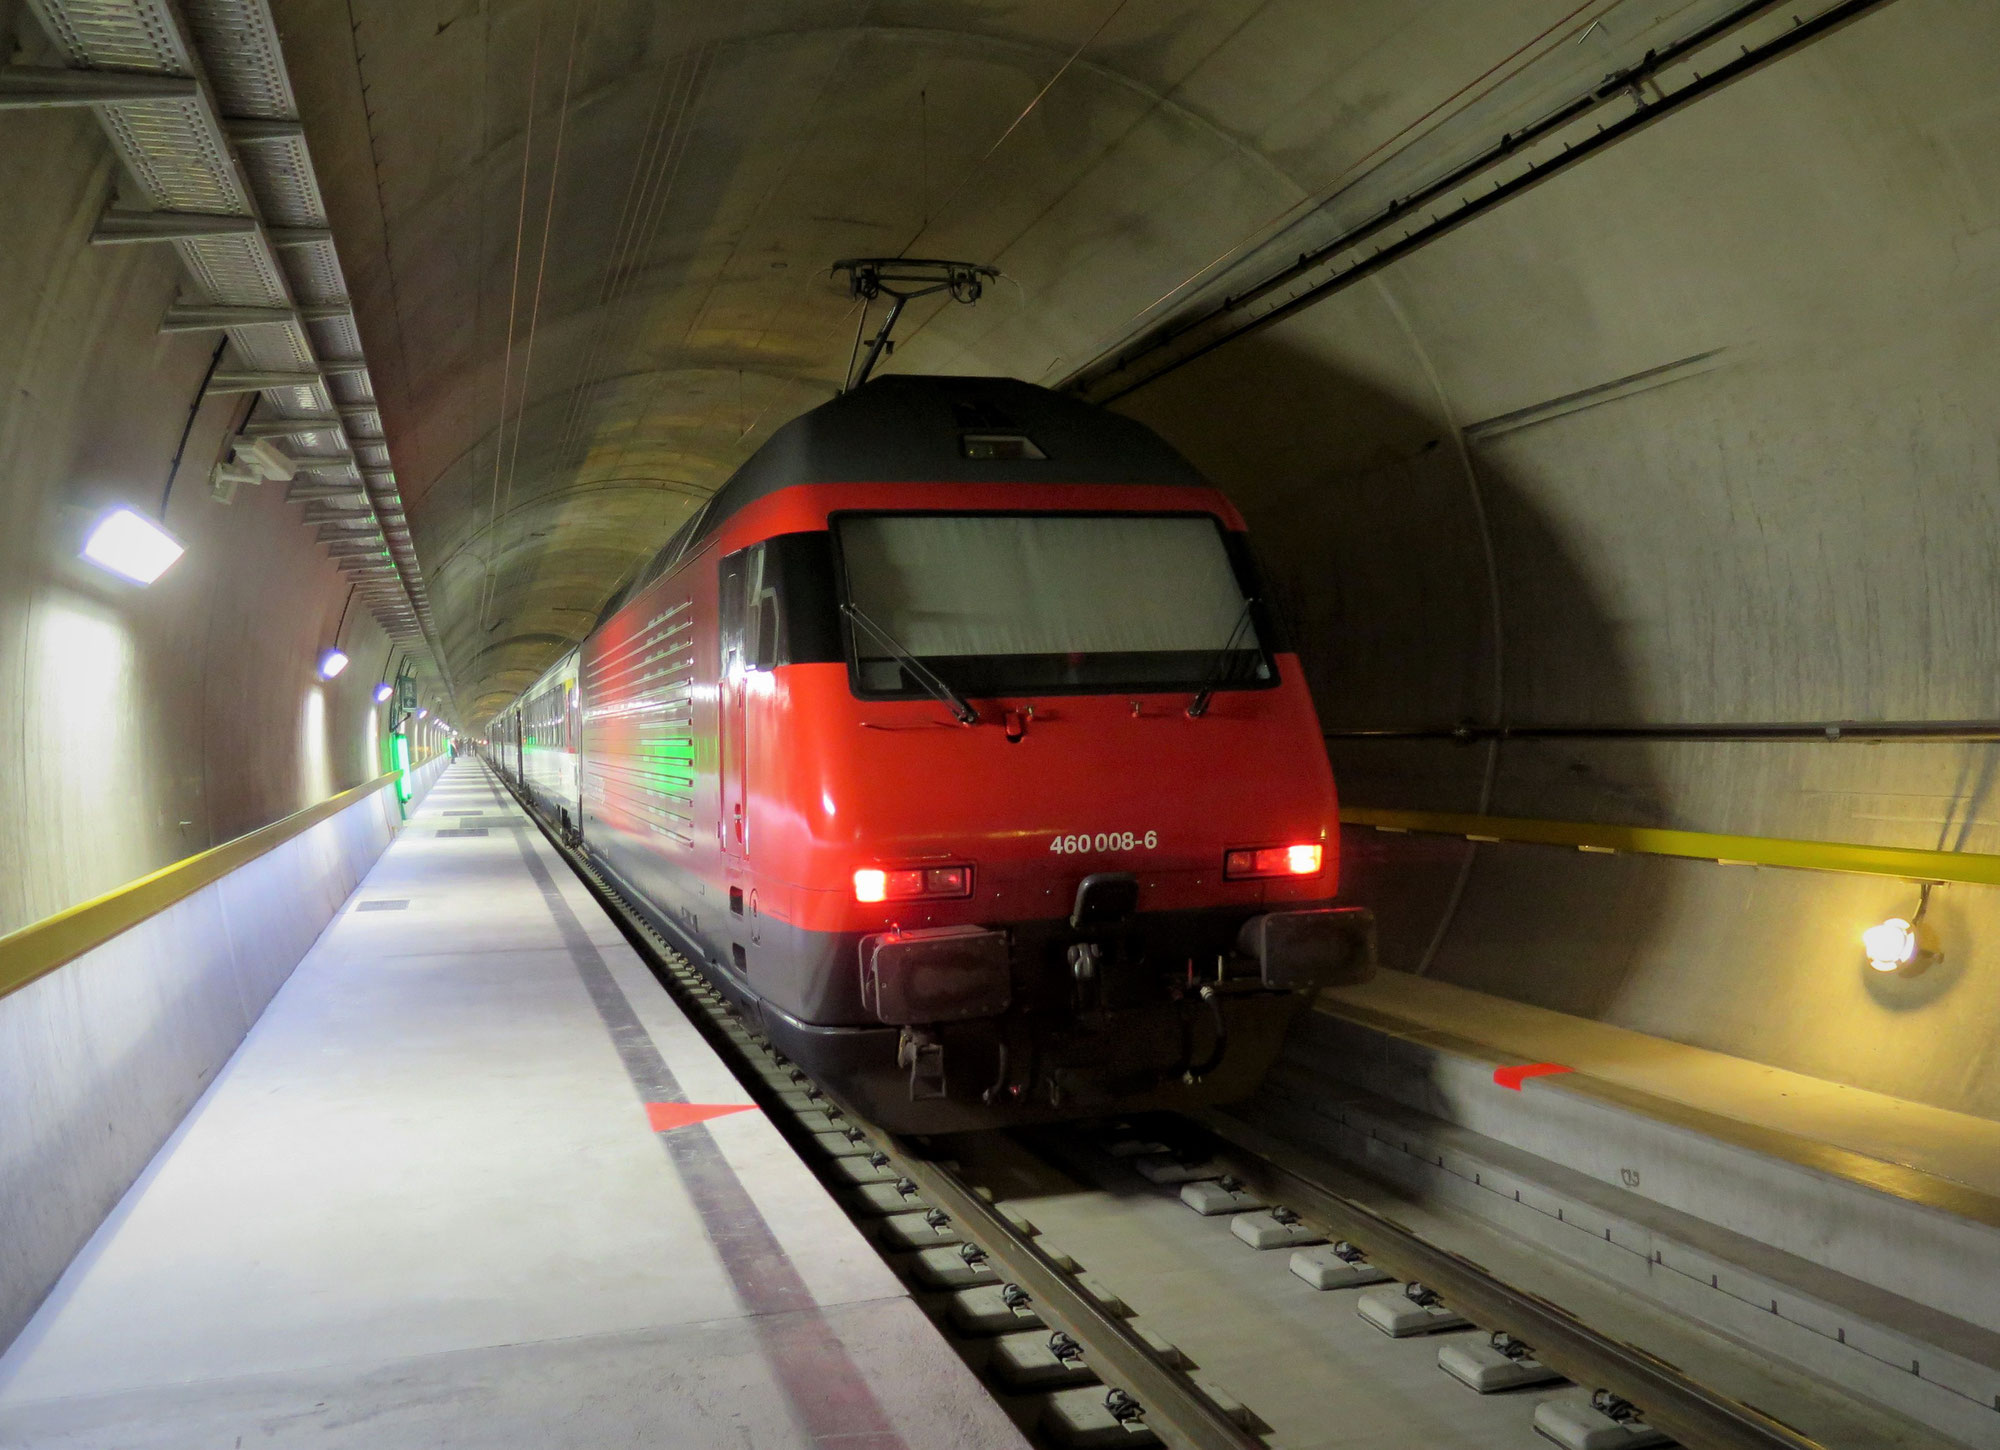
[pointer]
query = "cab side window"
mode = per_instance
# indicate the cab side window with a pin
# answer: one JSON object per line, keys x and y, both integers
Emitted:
{"x": 776, "y": 603}
{"x": 730, "y": 609}
{"x": 752, "y": 615}
{"x": 764, "y": 615}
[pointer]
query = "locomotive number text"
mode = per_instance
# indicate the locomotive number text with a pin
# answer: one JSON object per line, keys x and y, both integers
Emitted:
{"x": 1106, "y": 841}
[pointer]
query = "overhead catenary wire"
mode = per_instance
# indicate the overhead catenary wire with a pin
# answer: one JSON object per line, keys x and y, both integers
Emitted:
{"x": 786, "y": 302}
{"x": 655, "y": 169}
{"x": 1014, "y": 125}
{"x": 645, "y": 233}
{"x": 513, "y": 297}
{"x": 931, "y": 214}
{"x": 650, "y": 187}
{"x": 541, "y": 274}
{"x": 641, "y": 164}
{"x": 802, "y": 133}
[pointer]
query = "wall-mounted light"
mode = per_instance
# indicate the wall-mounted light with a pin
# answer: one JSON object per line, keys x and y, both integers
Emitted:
{"x": 132, "y": 546}
{"x": 423, "y": 714}
{"x": 383, "y": 691}
{"x": 333, "y": 659}
{"x": 1906, "y": 946}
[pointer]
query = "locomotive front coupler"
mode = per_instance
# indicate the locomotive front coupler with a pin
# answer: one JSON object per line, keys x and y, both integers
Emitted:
{"x": 921, "y": 1051}
{"x": 1102, "y": 918}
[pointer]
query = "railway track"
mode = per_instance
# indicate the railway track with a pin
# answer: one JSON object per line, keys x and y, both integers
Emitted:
{"x": 1075, "y": 1365}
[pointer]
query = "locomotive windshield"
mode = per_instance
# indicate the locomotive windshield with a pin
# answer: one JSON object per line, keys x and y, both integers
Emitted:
{"x": 1019, "y": 603}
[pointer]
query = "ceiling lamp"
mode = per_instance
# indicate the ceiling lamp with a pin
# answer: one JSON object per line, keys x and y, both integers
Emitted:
{"x": 331, "y": 663}
{"x": 132, "y": 546}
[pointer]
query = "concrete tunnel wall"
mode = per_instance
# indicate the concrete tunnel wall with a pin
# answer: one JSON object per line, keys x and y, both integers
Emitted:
{"x": 1800, "y": 527}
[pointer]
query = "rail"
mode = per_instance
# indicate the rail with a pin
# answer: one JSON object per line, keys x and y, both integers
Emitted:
{"x": 1903, "y": 863}
{"x": 1183, "y": 1414}
{"x": 1180, "y": 1412}
{"x": 44, "y": 946}
{"x": 1672, "y": 1400}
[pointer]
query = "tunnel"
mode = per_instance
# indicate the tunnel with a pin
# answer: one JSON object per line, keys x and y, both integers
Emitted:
{"x": 1560, "y": 432}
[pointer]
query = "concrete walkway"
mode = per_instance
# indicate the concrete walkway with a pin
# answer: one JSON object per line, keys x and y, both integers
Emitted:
{"x": 1787, "y": 1111}
{"x": 425, "y": 1205}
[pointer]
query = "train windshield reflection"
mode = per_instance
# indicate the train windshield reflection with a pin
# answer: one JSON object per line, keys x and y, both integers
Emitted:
{"x": 1020, "y": 603}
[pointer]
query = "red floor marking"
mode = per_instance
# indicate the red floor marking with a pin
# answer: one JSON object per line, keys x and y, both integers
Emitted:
{"x": 1513, "y": 1077}
{"x": 667, "y": 1116}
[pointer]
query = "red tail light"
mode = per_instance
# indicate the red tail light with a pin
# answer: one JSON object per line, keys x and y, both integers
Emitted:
{"x": 1300, "y": 860}
{"x": 872, "y": 883}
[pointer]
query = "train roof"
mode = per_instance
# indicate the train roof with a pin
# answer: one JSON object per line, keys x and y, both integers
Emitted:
{"x": 911, "y": 428}
{"x": 908, "y": 429}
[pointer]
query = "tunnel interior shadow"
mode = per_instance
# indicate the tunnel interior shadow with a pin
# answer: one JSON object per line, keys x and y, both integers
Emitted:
{"x": 1362, "y": 511}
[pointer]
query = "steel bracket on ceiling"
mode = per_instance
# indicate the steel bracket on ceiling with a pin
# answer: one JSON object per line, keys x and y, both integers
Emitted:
{"x": 116, "y": 228}
{"x": 251, "y": 380}
{"x": 190, "y": 317}
{"x": 250, "y": 130}
{"x": 32, "y": 87}
{"x": 290, "y": 427}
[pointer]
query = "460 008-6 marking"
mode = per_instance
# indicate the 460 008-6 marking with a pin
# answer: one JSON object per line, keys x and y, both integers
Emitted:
{"x": 1105, "y": 841}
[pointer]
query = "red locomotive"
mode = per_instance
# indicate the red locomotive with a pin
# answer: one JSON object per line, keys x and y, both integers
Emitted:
{"x": 953, "y": 739}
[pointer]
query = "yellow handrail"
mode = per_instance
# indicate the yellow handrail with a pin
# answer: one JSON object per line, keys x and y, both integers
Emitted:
{"x": 40, "y": 947}
{"x": 1905, "y": 863}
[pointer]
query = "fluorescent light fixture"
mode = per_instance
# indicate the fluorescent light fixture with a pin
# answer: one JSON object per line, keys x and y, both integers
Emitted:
{"x": 423, "y": 714}
{"x": 383, "y": 691}
{"x": 132, "y": 546}
{"x": 331, "y": 663}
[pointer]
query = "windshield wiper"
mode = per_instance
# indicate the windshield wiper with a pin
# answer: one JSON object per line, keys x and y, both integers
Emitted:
{"x": 1198, "y": 706}
{"x": 959, "y": 706}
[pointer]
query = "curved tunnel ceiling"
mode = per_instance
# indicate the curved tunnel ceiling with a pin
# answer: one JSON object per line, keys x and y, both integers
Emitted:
{"x": 590, "y": 239}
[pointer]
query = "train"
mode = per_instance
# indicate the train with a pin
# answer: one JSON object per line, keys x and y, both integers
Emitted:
{"x": 956, "y": 741}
